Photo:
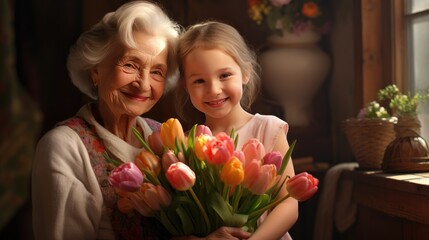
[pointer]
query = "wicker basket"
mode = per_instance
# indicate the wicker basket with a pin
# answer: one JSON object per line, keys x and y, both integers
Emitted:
{"x": 368, "y": 139}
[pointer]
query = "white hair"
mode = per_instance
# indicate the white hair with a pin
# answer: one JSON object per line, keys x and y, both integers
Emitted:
{"x": 94, "y": 45}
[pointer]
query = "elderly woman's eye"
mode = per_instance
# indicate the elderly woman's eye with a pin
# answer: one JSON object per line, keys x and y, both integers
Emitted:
{"x": 129, "y": 67}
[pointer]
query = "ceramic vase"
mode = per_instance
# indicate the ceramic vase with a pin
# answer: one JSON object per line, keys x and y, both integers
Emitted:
{"x": 293, "y": 69}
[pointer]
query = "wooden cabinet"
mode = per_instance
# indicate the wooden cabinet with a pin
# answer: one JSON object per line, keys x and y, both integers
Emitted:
{"x": 391, "y": 206}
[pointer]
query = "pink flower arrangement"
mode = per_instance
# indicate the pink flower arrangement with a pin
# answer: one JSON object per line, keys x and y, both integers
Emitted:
{"x": 201, "y": 182}
{"x": 291, "y": 15}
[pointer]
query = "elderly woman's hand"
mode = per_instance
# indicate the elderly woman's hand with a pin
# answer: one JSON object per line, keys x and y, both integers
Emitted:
{"x": 222, "y": 233}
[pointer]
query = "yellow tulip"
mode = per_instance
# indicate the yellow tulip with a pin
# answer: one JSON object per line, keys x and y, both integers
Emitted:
{"x": 199, "y": 144}
{"x": 170, "y": 131}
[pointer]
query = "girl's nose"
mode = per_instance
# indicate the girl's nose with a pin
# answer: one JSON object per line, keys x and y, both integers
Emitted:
{"x": 215, "y": 87}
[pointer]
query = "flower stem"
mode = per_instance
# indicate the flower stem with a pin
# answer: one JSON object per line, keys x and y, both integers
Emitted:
{"x": 203, "y": 212}
{"x": 237, "y": 198}
{"x": 272, "y": 204}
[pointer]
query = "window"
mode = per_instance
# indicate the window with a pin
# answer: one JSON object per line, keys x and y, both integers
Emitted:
{"x": 416, "y": 22}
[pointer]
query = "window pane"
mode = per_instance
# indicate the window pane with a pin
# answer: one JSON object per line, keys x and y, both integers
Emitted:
{"x": 414, "y": 6}
{"x": 419, "y": 62}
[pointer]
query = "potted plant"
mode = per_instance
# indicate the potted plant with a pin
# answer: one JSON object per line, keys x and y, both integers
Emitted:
{"x": 409, "y": 151}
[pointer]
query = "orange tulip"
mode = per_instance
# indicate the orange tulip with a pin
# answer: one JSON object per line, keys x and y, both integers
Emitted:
{"x": 125, "y": 205}
{"x": 150, "y": 198}
{"x": 149, "y": 162}
{"x": 310, "y": 10}
{"x": 232, "y": 173}
{"x": 170, "y": 131}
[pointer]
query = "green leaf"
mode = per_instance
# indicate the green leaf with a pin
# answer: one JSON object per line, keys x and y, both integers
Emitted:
{"x": 115, "y": 162}
{"x": 191, "y": 136}
{"x": 165, "y": 220}
{"x": 223, "y": 210}
{"x": 141, "y": 140}
{"x": 260, "y": 202}
{"x": 187, "y": 225}
{"x": 287, "y": 157}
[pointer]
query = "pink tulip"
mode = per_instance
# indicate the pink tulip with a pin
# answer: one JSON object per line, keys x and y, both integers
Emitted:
{"x": 302, "y": 186}
{"x": 155, "y": 143}
{"x": 274, "y": 158}
{"x": 253, "y": 149}
{"x": 203, "y": 130}
{"x": 218, "y": 150}
{"x": 126, "y": 177}
{"x": 259, "y": 178}
{"x": 168, "y": 158}
{"x": 240, "y": 156}
{"x": 180, "y": 176}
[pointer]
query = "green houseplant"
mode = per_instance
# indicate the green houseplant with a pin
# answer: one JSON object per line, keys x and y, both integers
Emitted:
{"x": 402, "y": 104}
{"x": 409, "y": 151}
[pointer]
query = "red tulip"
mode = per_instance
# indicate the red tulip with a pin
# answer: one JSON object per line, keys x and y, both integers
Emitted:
{"x": 218, "y": 150}
{"x": 302, "y": 186}
{"x": 180, "y": 176}
{"x": 126, "y": 177}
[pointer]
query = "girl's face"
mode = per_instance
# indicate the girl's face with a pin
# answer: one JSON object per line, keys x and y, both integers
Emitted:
{"x": 214, "y": 82}
{"x": 131, "y": 81}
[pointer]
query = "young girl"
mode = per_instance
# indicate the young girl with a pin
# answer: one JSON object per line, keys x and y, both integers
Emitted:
{"x": 218, "y": 83}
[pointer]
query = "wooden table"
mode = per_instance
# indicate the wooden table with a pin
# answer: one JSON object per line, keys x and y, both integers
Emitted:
{"x": 390, "y": 206}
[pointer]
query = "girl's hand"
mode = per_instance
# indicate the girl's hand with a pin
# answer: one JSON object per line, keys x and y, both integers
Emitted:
{"x": 222, "y": 233}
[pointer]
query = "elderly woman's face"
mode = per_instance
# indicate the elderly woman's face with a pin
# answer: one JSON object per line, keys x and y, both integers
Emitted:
{"x": 131, "y": 81}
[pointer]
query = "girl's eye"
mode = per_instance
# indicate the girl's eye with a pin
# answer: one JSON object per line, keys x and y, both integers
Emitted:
{"x": 225, "y": 75}
{"x": 198, "y": 81}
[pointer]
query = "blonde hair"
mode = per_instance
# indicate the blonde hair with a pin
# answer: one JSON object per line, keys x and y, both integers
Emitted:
{"x": 216, "y": 35}
{"x": 94, "y": 45}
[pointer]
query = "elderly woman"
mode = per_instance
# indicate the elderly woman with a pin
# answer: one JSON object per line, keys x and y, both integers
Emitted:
{"x": 124, "y": 62}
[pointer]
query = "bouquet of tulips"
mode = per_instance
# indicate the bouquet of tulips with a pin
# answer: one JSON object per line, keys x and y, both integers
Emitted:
{"x": 197, "y": 183}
